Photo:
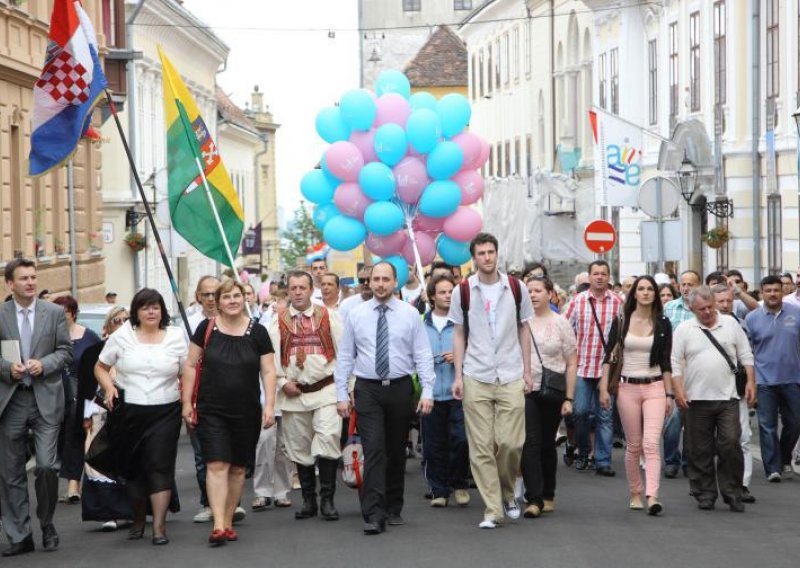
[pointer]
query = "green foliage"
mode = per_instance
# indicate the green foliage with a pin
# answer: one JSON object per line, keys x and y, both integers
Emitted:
{"x": 298, "y": 237}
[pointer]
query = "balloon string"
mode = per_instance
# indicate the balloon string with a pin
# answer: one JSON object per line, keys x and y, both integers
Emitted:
{"x": 417, "y": 258}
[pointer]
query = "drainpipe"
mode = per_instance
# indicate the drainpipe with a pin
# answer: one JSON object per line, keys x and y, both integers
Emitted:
{"x": 756, "y": 157}
{"x": 553, "y": 80}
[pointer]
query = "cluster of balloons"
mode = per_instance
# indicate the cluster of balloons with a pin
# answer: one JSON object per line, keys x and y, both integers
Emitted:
{"x": 400, "y": 173}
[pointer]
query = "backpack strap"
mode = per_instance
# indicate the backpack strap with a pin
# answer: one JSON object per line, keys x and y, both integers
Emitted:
{"x": 464, "y": 288}
{"x": 516, "y": 291}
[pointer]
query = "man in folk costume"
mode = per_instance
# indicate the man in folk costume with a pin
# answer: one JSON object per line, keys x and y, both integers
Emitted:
{"x": 305, "y": 337}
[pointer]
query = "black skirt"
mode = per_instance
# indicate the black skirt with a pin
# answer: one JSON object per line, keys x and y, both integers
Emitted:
{"x": 150, "y": 435}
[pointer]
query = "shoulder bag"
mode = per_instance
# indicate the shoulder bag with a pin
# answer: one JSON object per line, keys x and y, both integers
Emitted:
{"x": 554, "y": 384}
{"x": 615, "y": 357}
{"x": 198, "y": 370}
{"x": 738, "y": 370}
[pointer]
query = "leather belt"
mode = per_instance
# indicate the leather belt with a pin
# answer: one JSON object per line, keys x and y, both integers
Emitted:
{"x": 384, "y": 382}
{"x": 641, "y": 380}
{"x": 318, "y": 386}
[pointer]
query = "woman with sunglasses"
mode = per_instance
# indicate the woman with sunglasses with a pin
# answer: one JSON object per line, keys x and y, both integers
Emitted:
{"x": 642, "y": 337}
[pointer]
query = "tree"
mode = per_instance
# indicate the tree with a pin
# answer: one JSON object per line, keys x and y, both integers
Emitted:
{"x": 300, "y": 234}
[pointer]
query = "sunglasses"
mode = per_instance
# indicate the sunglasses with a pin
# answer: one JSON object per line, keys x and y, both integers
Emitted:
{"x": 119, "y": 320}
{"x": 363, "y": 280}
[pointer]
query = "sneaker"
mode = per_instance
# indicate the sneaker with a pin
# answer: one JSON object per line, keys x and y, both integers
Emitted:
{"x": 109, "y": 526}
{"x": 774, "y": 477}
{"x": 239, "y": 514}
{"x": 787, "y": 468}
{"x": 581, "y": 464}
{"x": 204, "y": 515}
{"x": 746, "y": 496}
{"x": 487, "y": 524}
{"x": 511, "y": 509}
{"x": 569, "y": 455}
{"x": 462, "y": 497}
{"x": 261, "y": 503}
{"x": 439, "y": 502}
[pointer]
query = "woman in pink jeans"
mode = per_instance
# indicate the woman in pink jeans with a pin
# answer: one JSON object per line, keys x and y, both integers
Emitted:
{"x": 644, "y": 390}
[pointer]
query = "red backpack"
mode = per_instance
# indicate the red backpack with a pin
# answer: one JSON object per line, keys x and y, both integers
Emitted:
{"x": 516, "y": 291}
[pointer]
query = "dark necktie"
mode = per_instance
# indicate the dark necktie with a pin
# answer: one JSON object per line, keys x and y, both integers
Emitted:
{"x": 382, "y": 343}
{"x": 25, "y": 336}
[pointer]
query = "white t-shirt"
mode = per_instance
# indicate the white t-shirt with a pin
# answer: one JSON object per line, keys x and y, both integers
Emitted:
{"x": 439, "y": 322}
{"x": 148, "y": 372}
{"x": 410, "y": 295}
{"x": 491, "y": 295}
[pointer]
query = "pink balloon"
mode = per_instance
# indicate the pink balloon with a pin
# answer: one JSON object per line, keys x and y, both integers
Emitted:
{"x": 344, "y": 160}
{"x": 244, "y": 276}
{"x": 470, "y": 144}
{"x": 412, "y": 178}
{"x": 414, "y": 154}
{"x": 263, "y": 291}
{"x": 463, "y": 225}
{"x": 392, "y": 108}
{"x": 388, "y": 245}
{"x": 425, "y": 223}
{"x": 350, "y": 200}
{"x": 365, "y": 142}
{"x": 484, "y": 155}
{"x": 426, "y": 245}
{"x": 471, "y": 184}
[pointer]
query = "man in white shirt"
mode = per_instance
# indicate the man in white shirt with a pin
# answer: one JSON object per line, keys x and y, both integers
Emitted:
{"x": 383, "y": 343}
{"x": 705, "y": 388}
{"x": 492, "y": 358}
{"x": 329, "y": 286}
{"x": 204, "y": 296}
{"x": 412, "y": 290}
{"x": 318, "y": 268}
{"x": 355, "y": 300}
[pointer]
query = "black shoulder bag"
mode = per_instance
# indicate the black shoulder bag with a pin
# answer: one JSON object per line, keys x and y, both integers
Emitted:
{"x": 738, "y": 370}
{"x": 554, "y": 384}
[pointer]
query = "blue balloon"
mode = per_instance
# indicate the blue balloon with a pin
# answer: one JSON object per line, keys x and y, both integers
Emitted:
{"x": 453, "y": 252}
{"x": 331, "y": 125}
{"x": 455, "y": 112}
{"x": 344, "y": 233}
{"x": 332, "y": 179}
{"x": 422, "y": 99}
{"x": 445, "y": 160}
{"x": 390, "y": 143}
{"x": 358, "y": 109}
{"x": 393, "y": 81}
{"x": 440, "y": 199}
{"x": 323, "y": 214}
{"x": 377, "y": 181}
{"x": 401, "y": 266}
{"x": 316, "y": 187}
{"x": 383, "y": 218}
{"x": 423, "y": 129}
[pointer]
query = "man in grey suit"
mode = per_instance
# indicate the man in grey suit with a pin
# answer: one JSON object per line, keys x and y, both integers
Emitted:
{"x": 31, "y": 397}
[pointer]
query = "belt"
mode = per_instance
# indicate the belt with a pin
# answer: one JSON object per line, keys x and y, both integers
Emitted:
{"x": 641, "y": 380}
{"x": 318, "y": 386}
{"x": 384, "y": 382}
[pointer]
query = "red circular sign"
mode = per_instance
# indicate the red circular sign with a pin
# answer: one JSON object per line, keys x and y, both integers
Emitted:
{"x": 600, "y": 236}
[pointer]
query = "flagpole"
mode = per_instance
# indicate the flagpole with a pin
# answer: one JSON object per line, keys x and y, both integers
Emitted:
{"x": 73, "y": 248}
{"x": 173, "y": 284}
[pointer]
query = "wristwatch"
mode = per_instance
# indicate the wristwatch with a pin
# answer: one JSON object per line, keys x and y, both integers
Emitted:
{"x": 567, "y": 399}
{"x": 671, "y": 395}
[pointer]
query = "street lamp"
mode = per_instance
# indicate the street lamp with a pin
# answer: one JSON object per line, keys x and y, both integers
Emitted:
{"x": 250, "y": 238}
{"x": 687, "y": 176}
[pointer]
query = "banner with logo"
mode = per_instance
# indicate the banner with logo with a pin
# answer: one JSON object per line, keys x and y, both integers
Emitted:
{"x": 617, "y": 157}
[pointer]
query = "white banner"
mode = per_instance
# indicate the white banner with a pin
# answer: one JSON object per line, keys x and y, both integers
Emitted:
{"x": 618, "y": 155}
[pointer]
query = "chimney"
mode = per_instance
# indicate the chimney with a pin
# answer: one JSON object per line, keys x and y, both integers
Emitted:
{"x": 256, "y": 100}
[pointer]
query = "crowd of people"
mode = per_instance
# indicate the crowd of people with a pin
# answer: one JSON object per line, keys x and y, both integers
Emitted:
{"x": 487, "y": 367}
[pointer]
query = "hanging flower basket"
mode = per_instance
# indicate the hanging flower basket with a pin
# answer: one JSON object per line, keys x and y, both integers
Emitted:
{"x": 717, "y": 237}
{"x": 135, "y": 241}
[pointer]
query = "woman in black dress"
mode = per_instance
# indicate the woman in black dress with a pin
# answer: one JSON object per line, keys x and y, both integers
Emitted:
{"x": 228, "y": 415}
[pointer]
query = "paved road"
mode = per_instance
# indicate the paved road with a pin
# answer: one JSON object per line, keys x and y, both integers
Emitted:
{"x": 591, "y": 527}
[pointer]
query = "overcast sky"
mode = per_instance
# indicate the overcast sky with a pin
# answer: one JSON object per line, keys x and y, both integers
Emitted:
{"x": 284, "y": 48}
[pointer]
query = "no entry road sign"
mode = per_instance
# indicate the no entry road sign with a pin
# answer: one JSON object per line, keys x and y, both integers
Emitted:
{"x": 600, "y": 236}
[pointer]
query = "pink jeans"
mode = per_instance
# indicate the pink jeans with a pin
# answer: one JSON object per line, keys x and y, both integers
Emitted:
{"x": 642, "y": 405}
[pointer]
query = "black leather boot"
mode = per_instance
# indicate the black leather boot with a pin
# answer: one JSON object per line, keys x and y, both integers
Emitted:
{"x": 327, "y": 487}
{"x": 308, "y": 486}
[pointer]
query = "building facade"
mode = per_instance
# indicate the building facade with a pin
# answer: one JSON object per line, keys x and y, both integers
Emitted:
{"x": 34, "y": 220}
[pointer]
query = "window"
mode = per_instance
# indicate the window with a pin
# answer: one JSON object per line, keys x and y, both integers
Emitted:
{"x": 462, "y": 4}
{"x": 652, "y": 79}
{"x": 773, "y": 50}
{"x": 480, "y": 73}
{"x": 515, "y": 50}
{"x": 507, "y": 159}
{"x": 615, "y": 80}
{"x": 673, "y": 73}
{"x": 528, "y": 48}
{"x": 694, "y": 61}
{"x": 498, "y": 64}
{"x": 602, "y": 80}
{"x": 720, "y": 53}
{"x": 528, "y": 155}
{"x": 412, "y": 5}
{"x": 499, "y": 156}
{"x": 490, "y": 161}
{"x": 517, "y": 157}
{"x": 489, "y": 71}
{"x": 506, "y": 59}
{"x": 474, "y": 83}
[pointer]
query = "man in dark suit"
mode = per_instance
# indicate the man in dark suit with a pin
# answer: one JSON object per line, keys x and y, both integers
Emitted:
{"x": 31, "y": 397}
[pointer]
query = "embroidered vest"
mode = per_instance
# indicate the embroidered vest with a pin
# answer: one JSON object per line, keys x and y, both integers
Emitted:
{"x": 322, "y": 334}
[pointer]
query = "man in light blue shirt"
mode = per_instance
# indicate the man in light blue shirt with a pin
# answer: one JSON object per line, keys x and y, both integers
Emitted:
{"x": 775, "y": 334}
{"x": 383, "y": 343}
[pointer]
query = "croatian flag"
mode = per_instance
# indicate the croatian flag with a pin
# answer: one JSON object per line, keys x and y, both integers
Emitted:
{"x": 318, "y": 251}
{"x": 71, "y": 83}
